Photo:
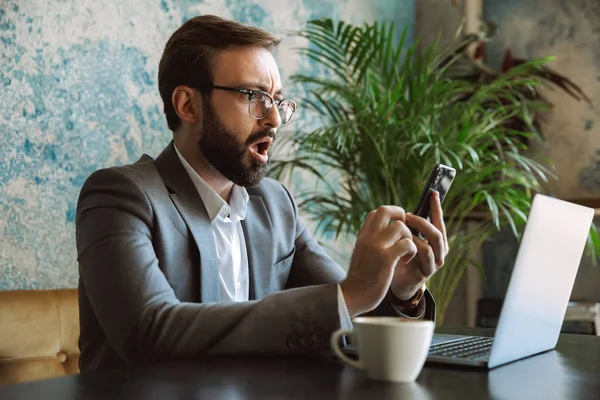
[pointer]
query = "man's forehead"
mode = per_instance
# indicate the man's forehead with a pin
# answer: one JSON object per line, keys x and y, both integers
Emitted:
{"x": 248, "y": 65}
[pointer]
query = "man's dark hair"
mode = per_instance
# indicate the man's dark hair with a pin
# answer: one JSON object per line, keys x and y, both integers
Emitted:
{"x": 190, "y": 51}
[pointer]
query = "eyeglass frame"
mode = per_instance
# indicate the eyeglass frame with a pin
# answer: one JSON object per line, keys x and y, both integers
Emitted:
{"x": 254, "y": 92}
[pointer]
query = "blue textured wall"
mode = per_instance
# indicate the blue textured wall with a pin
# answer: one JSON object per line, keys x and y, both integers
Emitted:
{"x": 78, "y": 92}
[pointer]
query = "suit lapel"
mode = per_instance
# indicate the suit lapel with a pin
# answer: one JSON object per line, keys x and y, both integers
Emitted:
{"x": 258, "y": 234}
{"x": 186, "y": 199}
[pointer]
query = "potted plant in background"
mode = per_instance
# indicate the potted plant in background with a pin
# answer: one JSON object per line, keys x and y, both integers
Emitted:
{"x": 389, "y": 113}
{"x": 475, "y": 69}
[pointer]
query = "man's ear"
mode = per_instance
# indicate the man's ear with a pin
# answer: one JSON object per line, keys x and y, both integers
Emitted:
{"x": 187, "y": 104}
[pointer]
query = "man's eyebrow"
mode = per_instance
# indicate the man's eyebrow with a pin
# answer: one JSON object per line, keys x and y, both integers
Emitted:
{"x": 260, "y": 86}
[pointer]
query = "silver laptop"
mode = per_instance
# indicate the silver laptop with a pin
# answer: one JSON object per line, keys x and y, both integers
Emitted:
{"x": 538, "y": 293}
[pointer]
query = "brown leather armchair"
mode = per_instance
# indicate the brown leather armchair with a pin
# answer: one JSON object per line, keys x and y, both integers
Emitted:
{"x": 39, "y": 330}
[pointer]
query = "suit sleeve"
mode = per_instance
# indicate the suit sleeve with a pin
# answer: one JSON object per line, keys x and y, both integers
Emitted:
{"x": 138, "y": 311}
{"x": 313, "y": 266}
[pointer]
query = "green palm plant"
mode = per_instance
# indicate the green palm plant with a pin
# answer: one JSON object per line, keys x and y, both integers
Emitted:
{"x": 388, "y": 114}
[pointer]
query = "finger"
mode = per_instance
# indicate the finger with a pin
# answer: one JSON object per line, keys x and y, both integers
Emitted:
{"x": 385, "y": 214}
{"x": 404, "y": 249}
{"x": 437, "y": 218}
{"x": 394, "y": 232}
{"x": 435, "y": 239}
{"x": 425, "y": 255}
{"x": 367, "y": 222}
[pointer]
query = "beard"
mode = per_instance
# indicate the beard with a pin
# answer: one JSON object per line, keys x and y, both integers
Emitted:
{"x": 229, "y": 155}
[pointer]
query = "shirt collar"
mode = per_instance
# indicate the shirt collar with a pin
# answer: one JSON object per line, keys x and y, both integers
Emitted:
{"x": 215, "y": 205}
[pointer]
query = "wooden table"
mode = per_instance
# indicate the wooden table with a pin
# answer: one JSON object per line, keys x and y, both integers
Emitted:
{"x": 572, "y": 371}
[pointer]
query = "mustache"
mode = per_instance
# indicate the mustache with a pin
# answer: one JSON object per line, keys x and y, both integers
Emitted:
{"x": 263, "y": 133}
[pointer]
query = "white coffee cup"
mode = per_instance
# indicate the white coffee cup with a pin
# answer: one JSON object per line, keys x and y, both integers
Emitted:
{"x": 389, "y": 348}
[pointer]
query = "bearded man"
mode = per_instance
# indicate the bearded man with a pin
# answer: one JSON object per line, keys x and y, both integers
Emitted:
{"x": 195, "y": 253}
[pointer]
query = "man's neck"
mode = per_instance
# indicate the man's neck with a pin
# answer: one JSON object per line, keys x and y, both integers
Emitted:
{"x": 206, "y": 171}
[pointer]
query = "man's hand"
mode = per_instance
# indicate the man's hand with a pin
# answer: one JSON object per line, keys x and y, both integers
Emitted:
{"x": 410, "y": 276}
{"x": 380, "y": 246}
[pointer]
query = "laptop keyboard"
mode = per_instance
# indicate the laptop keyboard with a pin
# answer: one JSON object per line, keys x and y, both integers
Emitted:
{"x": 475, "y": 348}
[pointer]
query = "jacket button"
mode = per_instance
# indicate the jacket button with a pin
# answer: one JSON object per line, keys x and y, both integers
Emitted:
{"x": 293, "y": 343}
{"x": 305, "y": 341}
{"x": 62, "y": 357}
{"x": 318, "y": 337}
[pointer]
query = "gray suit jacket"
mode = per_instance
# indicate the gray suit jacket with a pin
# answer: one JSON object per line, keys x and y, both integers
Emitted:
{"x": 149, "y": 280}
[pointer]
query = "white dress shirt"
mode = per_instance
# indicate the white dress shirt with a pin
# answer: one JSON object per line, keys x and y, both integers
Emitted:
{"x": 230, "y": 243}
{"x": 227, "y": 230}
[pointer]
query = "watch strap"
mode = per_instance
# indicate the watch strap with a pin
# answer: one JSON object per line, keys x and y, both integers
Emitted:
{"x": 411, "y": 303}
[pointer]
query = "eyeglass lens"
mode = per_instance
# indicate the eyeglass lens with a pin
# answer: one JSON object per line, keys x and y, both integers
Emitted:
{"x": 260, "y": 105}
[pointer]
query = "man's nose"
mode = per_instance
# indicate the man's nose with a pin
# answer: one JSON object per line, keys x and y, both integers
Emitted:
{"x": 272, "y": 119}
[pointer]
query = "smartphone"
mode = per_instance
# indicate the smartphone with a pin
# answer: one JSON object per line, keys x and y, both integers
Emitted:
{"x": 439, "y": 180}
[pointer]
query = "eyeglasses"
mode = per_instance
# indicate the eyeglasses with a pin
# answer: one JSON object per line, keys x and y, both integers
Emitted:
{"x": 260, "y": 103}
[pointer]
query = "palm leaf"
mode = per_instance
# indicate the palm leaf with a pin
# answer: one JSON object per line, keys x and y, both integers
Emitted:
{"x": 390, "y": 112}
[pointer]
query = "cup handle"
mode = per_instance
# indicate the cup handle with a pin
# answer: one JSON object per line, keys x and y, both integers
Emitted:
{"x": 335, "y": 340}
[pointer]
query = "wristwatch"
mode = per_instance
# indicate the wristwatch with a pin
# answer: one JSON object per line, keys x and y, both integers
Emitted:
{"x": 410, "y": 303}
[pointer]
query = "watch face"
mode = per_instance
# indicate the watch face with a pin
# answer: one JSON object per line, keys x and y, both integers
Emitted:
{"x": 417, "y": 297}
{"x": 412, "y": 302}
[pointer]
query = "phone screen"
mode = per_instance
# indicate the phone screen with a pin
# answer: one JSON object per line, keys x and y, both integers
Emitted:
{"x": 440, "y": 179}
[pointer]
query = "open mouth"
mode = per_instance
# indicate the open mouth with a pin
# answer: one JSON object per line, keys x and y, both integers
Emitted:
{"x": 260, "y": 149}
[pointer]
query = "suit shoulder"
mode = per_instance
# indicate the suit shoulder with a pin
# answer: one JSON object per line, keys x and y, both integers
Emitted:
{"x": 269, "y": 187}
{"x": 275, "y": 194}
{"x": 143, "y": 172}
